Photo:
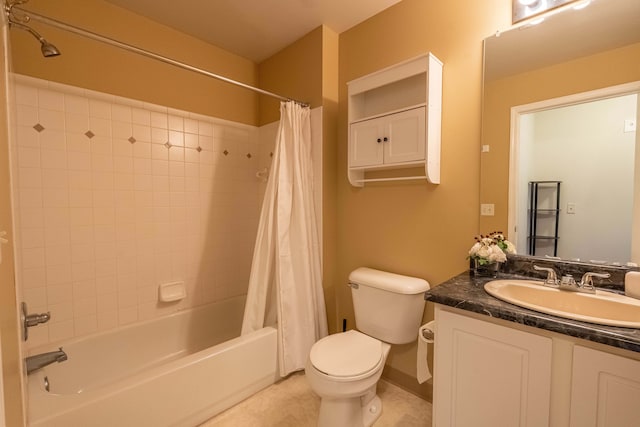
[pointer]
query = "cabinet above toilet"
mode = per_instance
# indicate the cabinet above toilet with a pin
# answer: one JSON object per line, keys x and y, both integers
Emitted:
{"x": 395, "y": 119}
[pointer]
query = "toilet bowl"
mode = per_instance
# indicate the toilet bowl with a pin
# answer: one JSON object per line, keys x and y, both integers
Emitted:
{"x": 343, "y": 369}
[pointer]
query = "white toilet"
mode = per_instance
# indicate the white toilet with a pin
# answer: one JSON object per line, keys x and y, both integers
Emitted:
{"x": 344, "y": 368}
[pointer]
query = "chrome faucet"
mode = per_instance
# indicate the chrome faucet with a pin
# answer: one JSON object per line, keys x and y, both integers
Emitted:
{"x": 552, "y": 277}
{"x": 41, "y": 360}
{"x": 586, "y": 283}
{"x": 568, "y": 283}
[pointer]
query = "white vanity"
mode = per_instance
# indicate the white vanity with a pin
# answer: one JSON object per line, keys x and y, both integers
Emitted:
{"x": 497, "y": 364}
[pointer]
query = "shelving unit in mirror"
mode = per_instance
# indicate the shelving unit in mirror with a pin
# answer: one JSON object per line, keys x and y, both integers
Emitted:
{"x": 543, "y": 217}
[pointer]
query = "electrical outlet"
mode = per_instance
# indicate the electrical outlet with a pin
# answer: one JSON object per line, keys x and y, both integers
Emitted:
{"x": 487, "y": 209}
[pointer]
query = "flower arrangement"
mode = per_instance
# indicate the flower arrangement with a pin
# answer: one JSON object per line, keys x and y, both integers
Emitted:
{"x": 491, "y": 248}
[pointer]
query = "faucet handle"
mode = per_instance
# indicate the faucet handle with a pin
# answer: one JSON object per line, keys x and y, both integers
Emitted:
{"x": 29, "y": 320}
{"x": 568, "y": 280}
{"x": 552, "y": 277}
{"x": 587, "y": 279}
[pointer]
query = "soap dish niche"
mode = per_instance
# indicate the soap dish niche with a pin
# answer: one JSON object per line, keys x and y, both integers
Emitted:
{"x": 173, "y": 291}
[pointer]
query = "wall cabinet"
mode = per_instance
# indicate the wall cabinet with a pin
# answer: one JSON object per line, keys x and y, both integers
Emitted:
{"x": 395, "y": 119}
{"x": 390, "y": 139}
{"x": 605, "y": 389}
{"x": 489, "y": 375}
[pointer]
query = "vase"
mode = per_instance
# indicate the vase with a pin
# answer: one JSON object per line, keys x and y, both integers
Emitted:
{"x": 486, "y": 270}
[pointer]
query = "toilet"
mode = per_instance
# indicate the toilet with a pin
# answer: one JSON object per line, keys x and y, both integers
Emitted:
{"x": 344, "y": 368}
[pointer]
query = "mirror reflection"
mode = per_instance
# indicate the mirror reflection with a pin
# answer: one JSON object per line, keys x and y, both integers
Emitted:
{"x": 574, "y": 174}
{"x": 560, "y": 105}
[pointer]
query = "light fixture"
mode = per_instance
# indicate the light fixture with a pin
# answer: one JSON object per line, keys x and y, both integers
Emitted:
{"x": 526, "y": 9}
{"x": 536, "y": 21}
{"x": 582, "y": 4}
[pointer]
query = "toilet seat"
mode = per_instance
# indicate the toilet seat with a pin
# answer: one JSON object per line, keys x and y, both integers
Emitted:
{"x": 346, "y": 354}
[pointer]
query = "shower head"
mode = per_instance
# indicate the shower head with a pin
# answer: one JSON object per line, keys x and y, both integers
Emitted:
{"x": 48, "y": 49}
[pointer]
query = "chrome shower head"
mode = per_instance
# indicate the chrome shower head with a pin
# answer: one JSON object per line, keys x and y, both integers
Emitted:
{"x": 48, "y": 49}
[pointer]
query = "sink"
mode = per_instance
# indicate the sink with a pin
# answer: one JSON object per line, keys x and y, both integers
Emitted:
{"x": 605, "y": 308}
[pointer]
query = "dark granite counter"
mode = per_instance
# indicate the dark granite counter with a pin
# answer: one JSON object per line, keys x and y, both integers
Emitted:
{"x": 466, "y": 292}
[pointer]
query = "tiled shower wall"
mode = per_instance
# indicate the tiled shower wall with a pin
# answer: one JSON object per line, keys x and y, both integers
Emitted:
{"x": 114, "y": 197}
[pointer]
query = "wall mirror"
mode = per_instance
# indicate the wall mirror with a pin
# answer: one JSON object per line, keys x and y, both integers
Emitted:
{"x": 560, "y": 104}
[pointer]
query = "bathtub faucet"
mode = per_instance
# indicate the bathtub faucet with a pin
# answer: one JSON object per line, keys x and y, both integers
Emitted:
{"x": 41, "y": 360}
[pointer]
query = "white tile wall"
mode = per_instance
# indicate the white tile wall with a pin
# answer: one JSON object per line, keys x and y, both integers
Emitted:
{"x": 107, "y": 210}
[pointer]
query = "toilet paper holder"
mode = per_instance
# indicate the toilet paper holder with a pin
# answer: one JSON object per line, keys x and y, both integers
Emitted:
{"x": 425, "y": 338}
{"x": 427, "y": 334}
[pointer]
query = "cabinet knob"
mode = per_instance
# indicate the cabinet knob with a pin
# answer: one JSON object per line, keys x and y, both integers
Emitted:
{"x": 385, "y": 139}
{"x": 379, "y": 140}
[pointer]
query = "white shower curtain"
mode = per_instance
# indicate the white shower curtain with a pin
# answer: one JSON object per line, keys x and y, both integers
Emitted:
{"x": 285, "y": 286}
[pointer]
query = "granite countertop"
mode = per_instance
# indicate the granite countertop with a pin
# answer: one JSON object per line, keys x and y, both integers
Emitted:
{"x": 466, "y": 292}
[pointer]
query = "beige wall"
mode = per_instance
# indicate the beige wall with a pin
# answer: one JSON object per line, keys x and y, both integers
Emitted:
{"x": 93, "y": 65}
{"x": 416, "y": 228}
{"x": 330, "y": 95}
{"x": 605, "y": 69}
{"x": 294, "y": 72}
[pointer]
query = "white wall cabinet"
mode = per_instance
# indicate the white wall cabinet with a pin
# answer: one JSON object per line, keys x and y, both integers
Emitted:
{"x": 489, "y": 375}
{"x": 395, "y": 117}
{"x": 391, "y": 139}
{"x": 605, "y": 389}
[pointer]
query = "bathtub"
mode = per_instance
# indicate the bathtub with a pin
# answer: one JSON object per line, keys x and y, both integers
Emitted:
{"x": 175, "y": 371}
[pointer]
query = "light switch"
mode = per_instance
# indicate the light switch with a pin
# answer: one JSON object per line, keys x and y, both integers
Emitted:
{"x": 487, "y": 209}
{"x": 630, "y": 125}
{"x": 571, "y": 208}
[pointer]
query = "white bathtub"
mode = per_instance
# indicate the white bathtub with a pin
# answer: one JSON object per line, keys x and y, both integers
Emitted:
{"x": 175, "y": 371}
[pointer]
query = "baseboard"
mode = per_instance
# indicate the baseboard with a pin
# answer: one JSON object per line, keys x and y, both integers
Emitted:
{"x": 409, "y": 383}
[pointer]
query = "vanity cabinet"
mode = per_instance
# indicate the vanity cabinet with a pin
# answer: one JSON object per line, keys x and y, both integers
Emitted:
{"x": 605, "y": 389}
{"x": 489, "y": 375}
{"x": 491, "y": 372}
{"x": 395, "y": 118}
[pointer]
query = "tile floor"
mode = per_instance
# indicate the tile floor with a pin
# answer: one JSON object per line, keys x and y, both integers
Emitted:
{"x": 291, "y": 403}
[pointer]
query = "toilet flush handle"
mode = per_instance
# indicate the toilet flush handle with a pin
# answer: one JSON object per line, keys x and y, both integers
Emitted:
{"x": 353, "y": 285}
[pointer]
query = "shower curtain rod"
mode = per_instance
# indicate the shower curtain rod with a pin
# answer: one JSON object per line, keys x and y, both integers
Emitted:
{"x": 85, "y": 33}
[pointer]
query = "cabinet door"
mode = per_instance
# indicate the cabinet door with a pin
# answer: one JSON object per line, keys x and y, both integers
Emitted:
{"x": 405, "y": 133}
{"x": 364, "y": 148}
{"x": 488, "y": 375}
{"x": 605, "y": 389}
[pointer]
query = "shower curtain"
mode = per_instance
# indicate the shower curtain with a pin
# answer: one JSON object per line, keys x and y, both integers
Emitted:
{"x": 285, "y": 286}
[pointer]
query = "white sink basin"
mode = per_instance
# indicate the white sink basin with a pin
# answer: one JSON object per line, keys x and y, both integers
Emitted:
{"x": 605, "y": 308}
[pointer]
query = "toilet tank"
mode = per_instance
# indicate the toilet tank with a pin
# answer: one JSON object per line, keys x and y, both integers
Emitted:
{"x": 387, "y": 306}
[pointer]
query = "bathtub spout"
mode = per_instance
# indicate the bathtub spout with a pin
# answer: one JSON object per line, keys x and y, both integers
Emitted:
{"x": 41, "y": 360}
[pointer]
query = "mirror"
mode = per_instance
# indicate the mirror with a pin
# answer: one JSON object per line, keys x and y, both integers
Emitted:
{"x": 573, "y": 57}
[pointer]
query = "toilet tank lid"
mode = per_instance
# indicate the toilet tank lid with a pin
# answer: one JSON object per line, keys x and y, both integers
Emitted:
{"x": 388, "y": 281}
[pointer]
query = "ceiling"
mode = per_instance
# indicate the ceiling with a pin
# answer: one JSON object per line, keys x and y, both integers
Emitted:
{"x": 255, "y": 29}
